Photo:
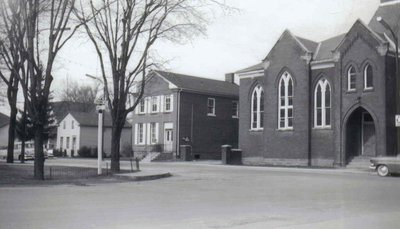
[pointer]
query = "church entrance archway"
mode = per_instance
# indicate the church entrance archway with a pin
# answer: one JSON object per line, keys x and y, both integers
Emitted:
{"x": 360, "y": 135}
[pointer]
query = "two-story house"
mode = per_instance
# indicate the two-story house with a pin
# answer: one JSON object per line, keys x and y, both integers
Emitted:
{"x": 77, "y": 129}
{"x": 323, "y": 103}
{"x": 180, "y": 110}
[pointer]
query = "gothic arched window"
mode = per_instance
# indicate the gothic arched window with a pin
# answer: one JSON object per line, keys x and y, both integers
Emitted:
{"x": 285, "y": 95}
{"x": 322, "y": 104}
{"x": 257, "y": 108}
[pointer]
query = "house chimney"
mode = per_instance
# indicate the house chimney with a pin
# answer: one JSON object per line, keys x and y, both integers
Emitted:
{"x": 230, "y": 77}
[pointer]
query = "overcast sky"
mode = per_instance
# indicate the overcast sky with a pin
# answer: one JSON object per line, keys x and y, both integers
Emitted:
{"x": 233, "y": 41}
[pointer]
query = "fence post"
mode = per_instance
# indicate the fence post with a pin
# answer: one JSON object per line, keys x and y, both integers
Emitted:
{"x": 131, "y": 165}
{"x": 137, "y": 164}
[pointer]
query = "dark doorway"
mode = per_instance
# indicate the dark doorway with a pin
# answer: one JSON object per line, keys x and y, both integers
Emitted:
{"x": 360, "y": 135}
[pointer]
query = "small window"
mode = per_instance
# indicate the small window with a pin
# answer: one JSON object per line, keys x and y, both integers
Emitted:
{"x": 72, "y": 124}
{"x": 211, "y": 106}
{"x": 351, "y": 79}
{"x": 64, "y": 125}
{"x": 168, "y": 103}
{"x": 154, "y": 104}
{"x": 142, "y": 108}
{"x": 368, "y": 77}
{"x": 140, "y": 133}
{"x": 67, "y": 142}
{"x": 61, "y": 143}
{"x": 235, "y": 109}
{"x": 153, "y": 133}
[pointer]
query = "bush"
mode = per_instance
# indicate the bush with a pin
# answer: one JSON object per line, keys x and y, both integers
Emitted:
{"x": 89, "y": 152}
{"x": 57, "y": 153}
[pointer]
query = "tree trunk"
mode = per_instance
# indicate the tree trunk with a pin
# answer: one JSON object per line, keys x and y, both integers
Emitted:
{"x": 115, "y": 146}
{"x": 39, "y": 156}
{"x": 12, "y": 101}
{"x": 11, "y": 134}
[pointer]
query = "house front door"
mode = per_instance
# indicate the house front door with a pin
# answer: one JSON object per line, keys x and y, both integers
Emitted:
{"x": 168, "y": 140}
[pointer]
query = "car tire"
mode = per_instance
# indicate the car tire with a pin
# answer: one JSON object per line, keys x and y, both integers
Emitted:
{"x": 382, "y": 170}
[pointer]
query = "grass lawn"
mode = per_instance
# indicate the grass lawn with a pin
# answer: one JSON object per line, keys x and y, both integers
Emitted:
{"x": 22, "y": 174}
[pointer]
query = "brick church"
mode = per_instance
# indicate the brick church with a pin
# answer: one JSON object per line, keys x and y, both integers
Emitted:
{"x": 323, "y": 103}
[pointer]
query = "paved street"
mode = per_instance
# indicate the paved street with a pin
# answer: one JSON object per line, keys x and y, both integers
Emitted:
{"x": 208, "y": 195}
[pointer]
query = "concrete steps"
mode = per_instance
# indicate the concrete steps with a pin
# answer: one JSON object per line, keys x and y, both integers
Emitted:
{"x": 150, "y": 156}
{"x": 359, "y": 162}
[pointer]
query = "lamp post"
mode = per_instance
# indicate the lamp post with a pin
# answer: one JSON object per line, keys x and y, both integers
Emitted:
{"x": 100, "y": 131}
{"x": 397, "y": 97}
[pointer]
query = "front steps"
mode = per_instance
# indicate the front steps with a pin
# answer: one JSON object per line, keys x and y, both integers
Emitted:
{"x": 150, "y": 156}
{"x": 359, "y": 162}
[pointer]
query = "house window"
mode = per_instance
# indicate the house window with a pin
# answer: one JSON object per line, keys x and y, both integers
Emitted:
{"x": 322, "y": 104}
{"x": 154, "y": 104}
{"x": 351, "y": 79}
{"x": 211, "y": 106}
{"x": 257, "y": 108}
{"x": 285, "y": 102}
{"x": 67, "y": 142}
{"x": 368, "y": 77}
{"x": 142, "y": 107}
{"x": 61, "y": 143}
{"x": 64, "y": 124}
{"x": 154, "y": 132}
{"x": 72, "y": 124}
{"x": 235, "y": 109}
{"x": 168, "y": 103}
{"x": 140, "y": 133}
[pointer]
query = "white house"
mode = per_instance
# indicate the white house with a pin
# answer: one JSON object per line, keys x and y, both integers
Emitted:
{"x": 78, "y": 129}
{"x": 4, "y": 124}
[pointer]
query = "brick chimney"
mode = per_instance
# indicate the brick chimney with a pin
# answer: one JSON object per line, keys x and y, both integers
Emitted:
{"x": 230, "y": 77}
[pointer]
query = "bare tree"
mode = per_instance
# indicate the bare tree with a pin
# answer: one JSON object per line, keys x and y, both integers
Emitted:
{"x": 123, "y": 33}
{"x": 80, "y": 93}
{"x": 47, "y": 25}
{"x": 12, "y": 34}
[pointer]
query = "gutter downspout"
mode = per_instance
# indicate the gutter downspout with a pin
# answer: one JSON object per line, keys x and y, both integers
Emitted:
{"x": 309, "y": 151}
{"x": 177, "y": 139}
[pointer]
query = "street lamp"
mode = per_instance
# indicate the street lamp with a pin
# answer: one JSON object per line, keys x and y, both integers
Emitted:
{"x": 100, "y": 107}
{"x": 397, "y": 97}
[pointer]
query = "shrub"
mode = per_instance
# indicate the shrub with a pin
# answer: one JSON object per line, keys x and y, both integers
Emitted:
{"x": 89, "y": 152}
{"x": 57, "y": 153}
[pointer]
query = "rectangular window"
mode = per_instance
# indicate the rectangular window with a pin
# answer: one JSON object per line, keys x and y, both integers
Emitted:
{"x": 140, "y": 133}
{"x": 154, "y": 104}
{"x": 235, "y": 109}
{"x": 153, "y": 133}
{"x": 142, "y": 107}
{"x": 61, "y": 143}
{"x": 168, "y": 104}
{"x": 72, "y": 124}
{"x": 211, "y": 106}
{"x": 67, "y": 142}
{"x": 64, "y": 124}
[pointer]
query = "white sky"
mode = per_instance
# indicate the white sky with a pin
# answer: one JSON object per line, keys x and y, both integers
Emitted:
{"x": 233, "y": 41}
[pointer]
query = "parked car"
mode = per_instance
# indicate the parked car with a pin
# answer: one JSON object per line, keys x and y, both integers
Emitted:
{"x": 385, "y": 165}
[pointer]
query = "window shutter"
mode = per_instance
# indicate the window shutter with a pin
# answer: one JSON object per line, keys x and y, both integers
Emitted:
{"x": 162, "y": 98}
{"x": 157, "y": 132}
{"x": 148, "y": 134}
{"x": 172, "y": 102}
{"x": 136, "y": 134}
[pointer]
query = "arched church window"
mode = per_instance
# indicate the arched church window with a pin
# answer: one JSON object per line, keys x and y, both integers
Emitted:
{"x": 285, "y": 111}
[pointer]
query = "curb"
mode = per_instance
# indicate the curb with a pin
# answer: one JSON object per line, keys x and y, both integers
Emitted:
{"x": 139, "y": 177}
